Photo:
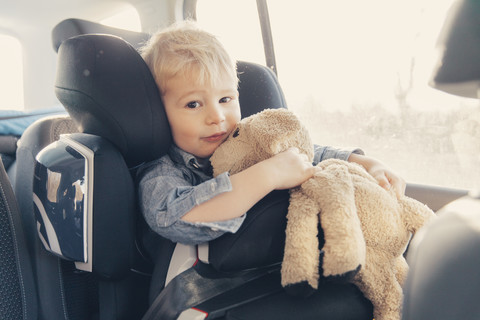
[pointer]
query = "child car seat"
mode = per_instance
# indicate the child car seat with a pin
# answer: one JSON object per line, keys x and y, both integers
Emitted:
{"x": 110, "y": 94}
{"x": 112, "y": 190}
{"x": 66, "y": 292}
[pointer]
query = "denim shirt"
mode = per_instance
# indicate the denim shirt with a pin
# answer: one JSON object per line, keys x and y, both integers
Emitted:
{"x": 174, "y": 184}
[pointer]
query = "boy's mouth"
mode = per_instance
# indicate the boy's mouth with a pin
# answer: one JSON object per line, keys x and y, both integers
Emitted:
{"x": 216, "y": 137}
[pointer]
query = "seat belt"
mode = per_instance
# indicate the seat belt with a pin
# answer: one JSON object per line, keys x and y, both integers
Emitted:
{"x": 195, "y": 286}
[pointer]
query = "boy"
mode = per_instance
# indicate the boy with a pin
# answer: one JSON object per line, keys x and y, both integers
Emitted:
{"x": 198, "y": 84}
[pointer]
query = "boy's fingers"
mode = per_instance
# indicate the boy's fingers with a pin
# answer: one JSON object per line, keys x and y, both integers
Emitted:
{"x": 387, "y": 180}
{"x": 399, "y": 186}
{"x": 384, "y": 183}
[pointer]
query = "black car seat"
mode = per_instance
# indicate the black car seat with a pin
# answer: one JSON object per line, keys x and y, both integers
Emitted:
{"x": 114, "y": 109}
{"x": 66, "y": 292}
{"x": 111, "y": 96}
{"x": 260, "y": 83}
{"x": 117, "y": 109}
{"x": 18, "y": 294}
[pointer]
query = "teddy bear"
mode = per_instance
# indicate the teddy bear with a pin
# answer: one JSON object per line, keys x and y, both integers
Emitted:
{"x": 366, "y": 228}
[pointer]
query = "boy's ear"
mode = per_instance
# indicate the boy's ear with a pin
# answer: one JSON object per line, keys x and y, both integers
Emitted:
{"x": 276, "y": 130}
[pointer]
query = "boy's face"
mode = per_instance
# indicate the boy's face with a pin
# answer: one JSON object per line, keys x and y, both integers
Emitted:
{"x": 201, "y": 116}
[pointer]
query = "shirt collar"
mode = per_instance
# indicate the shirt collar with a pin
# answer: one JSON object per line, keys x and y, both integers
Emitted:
{"x": 180, "y": 156}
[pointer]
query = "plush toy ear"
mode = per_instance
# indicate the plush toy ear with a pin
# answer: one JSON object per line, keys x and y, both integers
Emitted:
{"x": 279, "y": 129}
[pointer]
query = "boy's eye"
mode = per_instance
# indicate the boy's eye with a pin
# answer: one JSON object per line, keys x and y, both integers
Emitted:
{"x": 225, "y": 100}
{"x": 193, "y": 104}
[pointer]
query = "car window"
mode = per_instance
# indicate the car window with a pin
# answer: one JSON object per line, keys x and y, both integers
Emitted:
{"x": 237, "y": 26}
{"x": 357, "y": 74}
{"x": 11, "y": 75}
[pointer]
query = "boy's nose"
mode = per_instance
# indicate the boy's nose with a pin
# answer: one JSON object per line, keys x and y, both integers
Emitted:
{"x": 215, "y": 114}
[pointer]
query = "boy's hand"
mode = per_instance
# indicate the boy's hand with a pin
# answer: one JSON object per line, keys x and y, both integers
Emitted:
{"x": 386, "y": 178}
{"x": 289, "y": 169}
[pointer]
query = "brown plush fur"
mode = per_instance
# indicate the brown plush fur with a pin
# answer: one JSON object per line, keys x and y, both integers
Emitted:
{"x": 363, "y": 224}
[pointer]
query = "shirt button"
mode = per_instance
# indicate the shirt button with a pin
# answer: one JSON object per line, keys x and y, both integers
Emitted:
{"x": 212, "y": 186}
{"x": 193, "y": 163}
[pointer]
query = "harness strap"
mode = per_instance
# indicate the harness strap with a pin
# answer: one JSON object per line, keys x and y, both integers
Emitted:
{"x": 197, "y": 285}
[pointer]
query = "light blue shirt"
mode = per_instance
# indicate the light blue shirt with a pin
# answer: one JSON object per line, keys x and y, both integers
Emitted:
{"x": 171, "y": 186}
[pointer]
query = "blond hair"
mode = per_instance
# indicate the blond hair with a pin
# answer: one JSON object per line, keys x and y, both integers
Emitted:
{"x": 184, "y": 48}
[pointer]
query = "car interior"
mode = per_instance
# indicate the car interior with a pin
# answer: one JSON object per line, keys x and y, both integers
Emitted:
{"x": 75, "y": 246}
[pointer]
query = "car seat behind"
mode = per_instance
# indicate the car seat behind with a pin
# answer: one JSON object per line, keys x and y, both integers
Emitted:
{"x": 18, "y": 294}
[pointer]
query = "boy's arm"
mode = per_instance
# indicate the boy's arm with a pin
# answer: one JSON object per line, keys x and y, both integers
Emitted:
{"x": 167, "y": 192}
{"x": 326, "y": 152}
{"x": 283, "y": 171}
{"x": 386, "y": 178}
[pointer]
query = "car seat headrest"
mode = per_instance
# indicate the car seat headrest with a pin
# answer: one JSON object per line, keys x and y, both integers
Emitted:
{"x": 258, "y": 89}
{"x": 108, "y": 90}
{"x": 74, "y": 27}
{"x": 258, "y": 86}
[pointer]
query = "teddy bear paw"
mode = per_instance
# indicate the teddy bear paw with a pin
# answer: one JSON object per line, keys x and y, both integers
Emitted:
{"x": 341, "y": 277}
{"x": 344, "y": 277}
{"x": 300, "y": 289}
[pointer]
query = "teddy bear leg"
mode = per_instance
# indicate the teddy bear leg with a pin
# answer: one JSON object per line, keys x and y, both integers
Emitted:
{"x": 379, "y": 284}
{"x": 301, "y": 255}
{"x": 344, "y": 249}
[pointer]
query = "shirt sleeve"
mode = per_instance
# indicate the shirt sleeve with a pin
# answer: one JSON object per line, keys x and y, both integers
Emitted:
{"x": 324, "y": 152}
{"x": 166, "y": 198}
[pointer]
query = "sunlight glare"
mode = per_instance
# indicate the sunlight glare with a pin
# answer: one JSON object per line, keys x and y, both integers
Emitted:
{"x": 11, "y": 77}
{"x": 235, "y": 29}
{"x": 356, "y": 51}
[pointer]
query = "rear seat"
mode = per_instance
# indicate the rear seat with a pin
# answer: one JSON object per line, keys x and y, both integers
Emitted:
{"x": 50, "y": 273}
{"x": 12, "y": 125}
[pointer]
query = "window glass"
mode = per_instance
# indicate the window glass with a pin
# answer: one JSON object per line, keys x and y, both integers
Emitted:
{"x": 11, "y": 75}
{"x": 357, "y": 74}
{"x": 127, "y": 18}
{"x": 237, "y": 26}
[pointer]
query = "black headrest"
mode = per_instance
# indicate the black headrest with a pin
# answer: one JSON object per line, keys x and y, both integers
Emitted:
{"x": 258, "y": 89}
{"x": 259, "y": 86}
{"x": 108, "y": 90}
{"x": 74, "y": 27}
